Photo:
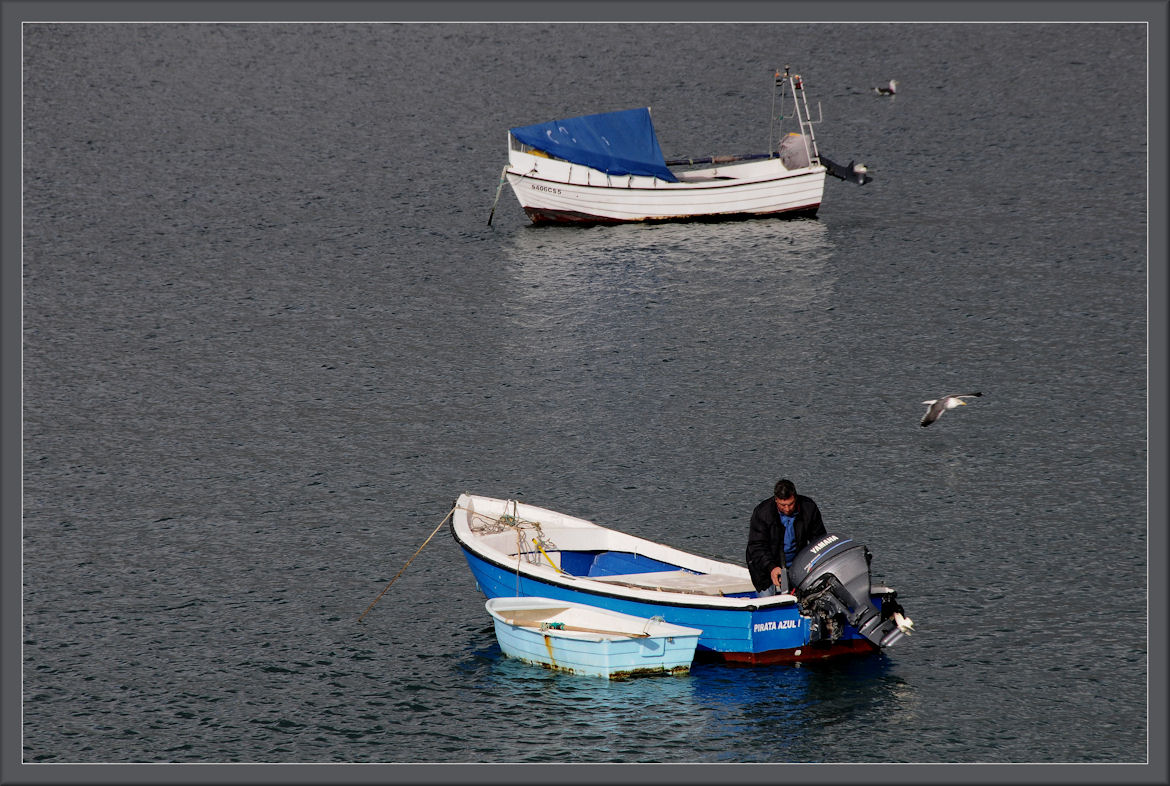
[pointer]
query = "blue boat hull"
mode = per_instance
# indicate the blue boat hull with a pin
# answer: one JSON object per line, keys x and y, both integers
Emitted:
{"x": 751, "y": 635}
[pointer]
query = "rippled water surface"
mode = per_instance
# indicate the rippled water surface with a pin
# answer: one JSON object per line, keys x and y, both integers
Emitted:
{"x": 269, "y": 337}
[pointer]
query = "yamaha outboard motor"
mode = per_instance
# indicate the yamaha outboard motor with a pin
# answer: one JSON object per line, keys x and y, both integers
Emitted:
{"x": 830, "y": 579}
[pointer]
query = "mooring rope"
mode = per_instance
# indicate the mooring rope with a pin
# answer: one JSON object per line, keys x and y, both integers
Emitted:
{"x": 404, "y": 567}
{"x": 482, "y": 524}
{"x": 499, "y": 188}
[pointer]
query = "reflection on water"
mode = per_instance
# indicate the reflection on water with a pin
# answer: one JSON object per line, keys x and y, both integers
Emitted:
{"x": 534, "y": 714}
{"x": 647, "y": 291}
{"x": 559, "y": 264}
{"x": 598, "y": 243}
{"x": 859, "y": 698}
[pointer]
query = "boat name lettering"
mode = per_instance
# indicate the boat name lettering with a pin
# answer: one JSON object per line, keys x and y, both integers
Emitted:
{"x": 820, "y": 545}
{"x": 760, "y": 627}
{"x": 549, "y": 189}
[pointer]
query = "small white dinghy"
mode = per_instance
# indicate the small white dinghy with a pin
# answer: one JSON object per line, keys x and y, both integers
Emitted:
{"x": 592, "y": 641}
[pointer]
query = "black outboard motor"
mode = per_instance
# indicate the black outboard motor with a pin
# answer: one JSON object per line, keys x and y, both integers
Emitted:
{"x": 853, "y": 173}
{"x": 830, "y": 579}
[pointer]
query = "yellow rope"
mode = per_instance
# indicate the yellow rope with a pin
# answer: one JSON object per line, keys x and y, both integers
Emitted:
{"x": 536, "y": 543}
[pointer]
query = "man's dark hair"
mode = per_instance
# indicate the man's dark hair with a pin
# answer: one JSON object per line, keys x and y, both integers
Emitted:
{"x": 784, "y": 489}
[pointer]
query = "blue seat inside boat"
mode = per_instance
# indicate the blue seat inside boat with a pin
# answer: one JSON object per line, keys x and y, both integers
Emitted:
{"x": 610, "y": 563}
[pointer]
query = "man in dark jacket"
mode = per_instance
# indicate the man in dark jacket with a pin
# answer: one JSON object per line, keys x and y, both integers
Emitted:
{"x": 782, "y": 525}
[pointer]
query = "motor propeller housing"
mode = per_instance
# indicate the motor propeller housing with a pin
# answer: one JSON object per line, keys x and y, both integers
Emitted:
{"x": 831, "y": 581}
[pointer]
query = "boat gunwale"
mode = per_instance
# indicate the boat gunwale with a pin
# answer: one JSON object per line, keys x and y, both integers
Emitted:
{"x": 586, "y": 585}
{"x": 682, "y": 187}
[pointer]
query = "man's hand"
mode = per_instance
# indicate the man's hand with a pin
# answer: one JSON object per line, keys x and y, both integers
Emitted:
{"x": 776, "y": 572}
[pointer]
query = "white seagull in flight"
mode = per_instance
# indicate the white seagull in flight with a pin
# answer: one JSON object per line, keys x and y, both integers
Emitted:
{"x": 888, "y": 90}
{"x": 936, "y": 407}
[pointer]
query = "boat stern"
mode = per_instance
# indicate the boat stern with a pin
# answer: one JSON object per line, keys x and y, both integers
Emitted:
{"x": 833, "y": 584}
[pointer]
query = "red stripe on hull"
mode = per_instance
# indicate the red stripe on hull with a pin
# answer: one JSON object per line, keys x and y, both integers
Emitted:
{"x": 818, "y": 651}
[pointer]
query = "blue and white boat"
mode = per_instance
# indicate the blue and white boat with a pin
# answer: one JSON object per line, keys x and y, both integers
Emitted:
{"x": 608, "y": 167}
{"x": 519, "y": 550}
{"x": 589, "y": 640}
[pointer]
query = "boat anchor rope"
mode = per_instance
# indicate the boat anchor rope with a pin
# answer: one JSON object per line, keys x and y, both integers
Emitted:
{"x": 404, "y": 567}
{"x": 500, "y": 187}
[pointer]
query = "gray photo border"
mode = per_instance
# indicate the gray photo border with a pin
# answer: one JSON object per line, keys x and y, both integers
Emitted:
{"x": 17, "y": 12}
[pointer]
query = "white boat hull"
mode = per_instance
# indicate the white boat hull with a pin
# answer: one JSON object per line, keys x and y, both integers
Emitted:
{"x": 554, "y": 191}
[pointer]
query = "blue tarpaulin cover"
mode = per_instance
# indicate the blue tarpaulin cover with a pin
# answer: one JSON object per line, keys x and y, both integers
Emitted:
{"x": 620, "y": 143}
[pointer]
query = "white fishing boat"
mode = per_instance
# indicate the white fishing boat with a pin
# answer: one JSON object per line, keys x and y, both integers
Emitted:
{"x": 591, "y": 641}
{"x": 609, "y": 168}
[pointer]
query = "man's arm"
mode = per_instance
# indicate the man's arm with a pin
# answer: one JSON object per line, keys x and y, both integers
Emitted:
{"x": 759, "y": 553}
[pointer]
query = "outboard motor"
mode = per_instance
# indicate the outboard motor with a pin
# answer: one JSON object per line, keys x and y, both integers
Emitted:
{"x": 853, "y": 173}
{"x": 830, "y": 579}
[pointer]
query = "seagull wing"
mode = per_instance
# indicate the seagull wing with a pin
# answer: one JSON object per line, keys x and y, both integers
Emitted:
{"x": 933, "y": 412}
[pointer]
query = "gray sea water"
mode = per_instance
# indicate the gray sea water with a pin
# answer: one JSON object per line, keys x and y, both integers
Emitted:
{"x": 269, "y": 336}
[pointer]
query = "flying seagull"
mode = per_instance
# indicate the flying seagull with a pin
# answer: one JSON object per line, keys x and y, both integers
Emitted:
{"x": 888, "y": 90}
{"x": 936, "y": 407}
